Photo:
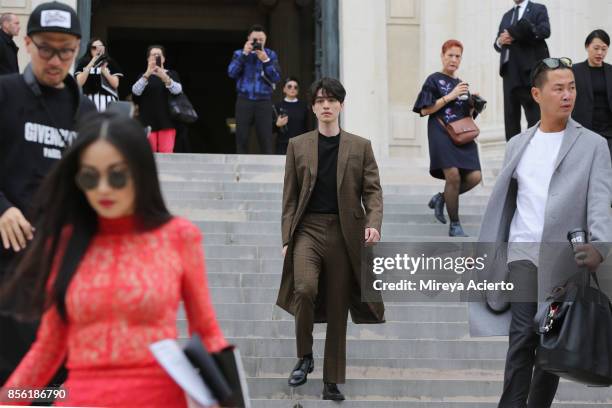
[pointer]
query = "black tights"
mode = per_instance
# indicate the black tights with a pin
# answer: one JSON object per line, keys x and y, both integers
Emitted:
{"x": 456, "y": 184}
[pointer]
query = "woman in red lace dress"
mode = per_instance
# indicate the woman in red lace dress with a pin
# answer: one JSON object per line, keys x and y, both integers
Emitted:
{"x": 108, "y": 267}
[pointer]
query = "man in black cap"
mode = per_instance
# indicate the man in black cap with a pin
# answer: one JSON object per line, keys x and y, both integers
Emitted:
{"x": 39, "y": 110}
{"x": 9, "y": 28}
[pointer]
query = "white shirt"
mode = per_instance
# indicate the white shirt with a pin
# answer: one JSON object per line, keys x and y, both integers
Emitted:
{"x": 533, "y": 174}
{"x": 522, "y": 8}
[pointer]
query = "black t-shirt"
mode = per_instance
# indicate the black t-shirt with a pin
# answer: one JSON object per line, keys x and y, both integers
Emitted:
{"x": 61, "y": 105}
{"x": 35, "y": 128}
{"x": 153, "y": 103}
{"x": 96, "y": 83}
{"x": 324, "y": 198}
{"x": 298, "y": 119}
{"x": 602, "y": 114}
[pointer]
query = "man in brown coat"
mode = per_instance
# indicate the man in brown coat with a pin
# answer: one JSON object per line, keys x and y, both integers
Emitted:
{"x": 329, "y": 174}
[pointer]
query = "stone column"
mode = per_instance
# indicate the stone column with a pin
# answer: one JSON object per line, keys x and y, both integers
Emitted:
{"x": 363, "y": 71}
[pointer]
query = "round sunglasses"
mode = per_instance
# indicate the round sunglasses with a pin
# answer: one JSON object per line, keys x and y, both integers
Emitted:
{"x": 88, "y": 179}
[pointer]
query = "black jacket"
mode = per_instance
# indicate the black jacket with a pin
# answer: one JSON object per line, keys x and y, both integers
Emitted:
{"x": 528, "y": 46}
{"x": 8, "y": 54}
{"x": 583, "y": 109}
{"x": 30, "y": 139}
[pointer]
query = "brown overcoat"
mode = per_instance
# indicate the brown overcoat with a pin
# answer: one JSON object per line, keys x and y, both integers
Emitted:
{"x": 358, "y": 186}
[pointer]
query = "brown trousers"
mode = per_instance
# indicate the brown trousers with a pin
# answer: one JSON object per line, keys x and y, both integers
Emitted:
{"x": 319, "y": 251}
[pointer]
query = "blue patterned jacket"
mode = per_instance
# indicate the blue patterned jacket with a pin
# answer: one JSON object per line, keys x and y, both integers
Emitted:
{"x": 255, "y": 80}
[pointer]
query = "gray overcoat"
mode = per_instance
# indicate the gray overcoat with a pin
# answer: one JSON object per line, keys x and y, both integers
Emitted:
{"x": 579, "y": 196}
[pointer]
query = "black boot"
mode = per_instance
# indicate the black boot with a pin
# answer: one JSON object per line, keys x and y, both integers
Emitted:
{"x": 437, "y": 204}
{"x": 331, "y": 392}
{"x": 300, "y": 372}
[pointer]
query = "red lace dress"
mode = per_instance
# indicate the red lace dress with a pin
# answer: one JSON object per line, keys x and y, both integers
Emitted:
{"x": 123, "y": 297}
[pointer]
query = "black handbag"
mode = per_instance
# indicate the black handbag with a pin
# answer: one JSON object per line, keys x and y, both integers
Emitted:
{"x": 575, "y": 329}
{"x": 181, "y": 108}
{"x": 222, "y": 372}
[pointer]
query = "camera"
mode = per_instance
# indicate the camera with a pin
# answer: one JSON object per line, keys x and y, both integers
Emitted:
{"x": 101, "y": 60}
{"x": 282, "y": 112}
{"x": 158, "y": 60}
{"x": 256, "y": 45}
{"x": 478, "y": 103}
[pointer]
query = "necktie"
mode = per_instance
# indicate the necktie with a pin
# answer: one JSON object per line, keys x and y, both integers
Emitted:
{"x": 514, "y": 19}
{"x": 515, "y": 15}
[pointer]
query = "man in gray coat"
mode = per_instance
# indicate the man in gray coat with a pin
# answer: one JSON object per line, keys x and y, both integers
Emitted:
{"x": 556, "y": 177}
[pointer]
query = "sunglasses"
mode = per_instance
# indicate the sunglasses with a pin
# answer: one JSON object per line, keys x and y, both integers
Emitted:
{"x": 289, "y": 86}
{"x": 550, "y": 63}
{"x": 87, "y": 179}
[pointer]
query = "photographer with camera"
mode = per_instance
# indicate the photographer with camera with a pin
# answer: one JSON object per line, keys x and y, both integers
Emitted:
{"x": 290, "y": 115}
{"x": 151, "y": 94}
{"x": 446, "y": 99}
{"x": 256, "y": 71}
{"x": 98, "y": 74}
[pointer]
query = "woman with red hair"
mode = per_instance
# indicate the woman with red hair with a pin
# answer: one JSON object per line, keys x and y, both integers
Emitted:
{"x": 444, "y": 97}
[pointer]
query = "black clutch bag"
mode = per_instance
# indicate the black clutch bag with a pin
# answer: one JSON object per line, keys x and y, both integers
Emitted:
{"x": 181, "y": 108}
{"x": 575, "y": 328}
{"x": 222, "y": 372}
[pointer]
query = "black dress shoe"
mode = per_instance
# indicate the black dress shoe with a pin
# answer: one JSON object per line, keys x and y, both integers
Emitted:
{"x": 437, "y": 204}
{"x": 331, "y": 392}
{"x": 300, "y": 372}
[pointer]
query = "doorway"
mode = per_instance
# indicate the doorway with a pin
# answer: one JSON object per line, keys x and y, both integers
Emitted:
{"x": 199, "y": 37}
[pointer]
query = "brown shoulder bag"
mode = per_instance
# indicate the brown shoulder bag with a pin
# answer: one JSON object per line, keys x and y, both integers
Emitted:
{"x": 461, "y": 131}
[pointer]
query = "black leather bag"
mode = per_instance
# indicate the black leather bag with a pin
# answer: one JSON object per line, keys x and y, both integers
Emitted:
{"x": 181, "y": 108}
{"x": 575, "y": 329}
{"x": 222, "y": 372}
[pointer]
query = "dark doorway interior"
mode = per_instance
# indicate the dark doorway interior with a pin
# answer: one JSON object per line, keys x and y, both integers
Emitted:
{"x": 200, "y": 57}
{"x": 200, "y": 36}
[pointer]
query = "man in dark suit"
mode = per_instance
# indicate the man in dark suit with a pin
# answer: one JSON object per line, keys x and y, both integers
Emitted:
{"x": 329, "y": 173}
{"x": 520, "y": 42}
{"x": 9, "y": 28}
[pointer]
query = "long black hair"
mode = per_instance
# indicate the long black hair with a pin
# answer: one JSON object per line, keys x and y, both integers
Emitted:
{"x": 66, "y": 223}
{"x": 84, "y": 60}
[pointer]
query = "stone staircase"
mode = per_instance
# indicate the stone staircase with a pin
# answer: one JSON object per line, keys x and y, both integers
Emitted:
{"x": 422, "y": 357}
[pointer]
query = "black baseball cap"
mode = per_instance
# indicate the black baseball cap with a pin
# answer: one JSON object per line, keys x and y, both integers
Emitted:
{"x": 54, "y": 17}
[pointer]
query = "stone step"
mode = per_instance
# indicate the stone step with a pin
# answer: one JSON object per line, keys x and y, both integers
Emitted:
{"x": 194, "y": 158}
{"x": 199, "y": 212}
{"x": 312, "y": 402}
{"x": 277, "y": 187}
{"x": 285, "y": 329}
{"x": 399, "y": 205}
{"x": 382, "y": 368}
{"x": 481, "y": 348}
{"x": 397, "y": 312}
{"x": 416, "y": 390}
{"x": 275, "y": 239}
{"x": 219, "y": 158}
{"x": 273, "y": 227}
{"x": 264, "y": 295}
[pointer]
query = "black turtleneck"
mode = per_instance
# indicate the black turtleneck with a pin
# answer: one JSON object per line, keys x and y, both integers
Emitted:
{"x": 324, "y": 198}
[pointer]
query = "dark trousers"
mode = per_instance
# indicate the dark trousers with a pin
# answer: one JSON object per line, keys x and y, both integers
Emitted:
{"x": 259, "y": 113}
{"x": 319, "y": 252}
{"x": 525, "y": 386}
{"x": 514, "y": 99}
